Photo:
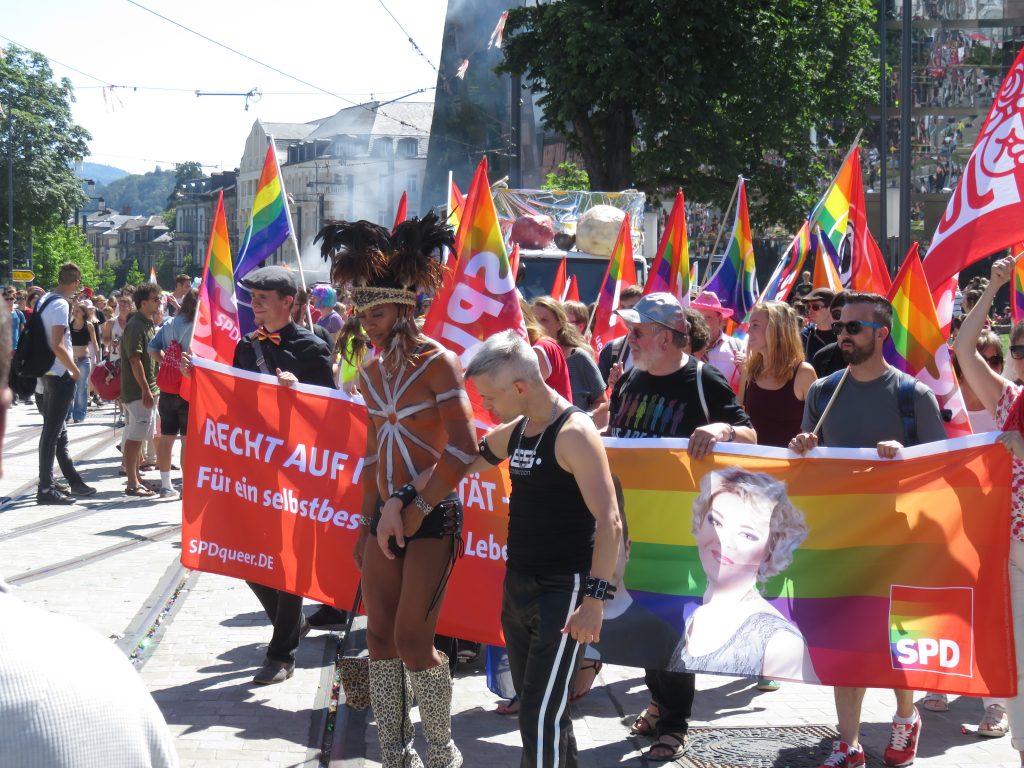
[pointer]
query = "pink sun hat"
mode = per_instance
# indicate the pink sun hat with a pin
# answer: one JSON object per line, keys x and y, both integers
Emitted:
{"x": 709, "y": 300}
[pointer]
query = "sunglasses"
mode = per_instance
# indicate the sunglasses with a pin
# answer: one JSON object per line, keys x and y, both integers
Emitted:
{"x": 817, "y": 306}
{"x": 1017, "y": 351}
{"x": 853, "y": 327}
{"x": 996, "y": 361}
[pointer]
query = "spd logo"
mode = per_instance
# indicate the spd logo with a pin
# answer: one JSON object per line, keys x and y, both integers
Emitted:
{"x": 930, "y": 629}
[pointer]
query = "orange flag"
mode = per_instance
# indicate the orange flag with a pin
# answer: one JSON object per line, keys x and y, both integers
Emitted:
{"x": 403, "y": 210}
{"x": 621, "y": 272}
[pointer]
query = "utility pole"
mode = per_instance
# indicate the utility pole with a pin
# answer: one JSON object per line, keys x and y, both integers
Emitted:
{"x": 10, "y": 199}
{"x": 883, "y": 131}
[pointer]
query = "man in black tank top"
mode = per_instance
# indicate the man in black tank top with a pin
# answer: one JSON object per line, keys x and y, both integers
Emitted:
{"x": 671, "y": 394}
{"x": 563, "y": 538}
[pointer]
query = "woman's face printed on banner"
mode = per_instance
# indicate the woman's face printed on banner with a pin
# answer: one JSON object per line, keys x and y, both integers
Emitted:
{"x": 732, "y": 541}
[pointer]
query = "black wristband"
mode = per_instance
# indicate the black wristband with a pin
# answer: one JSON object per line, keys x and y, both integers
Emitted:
{"x": 487, "y": 454}
{"x": 405, "y": 494}
{"x": 599, "y": 589}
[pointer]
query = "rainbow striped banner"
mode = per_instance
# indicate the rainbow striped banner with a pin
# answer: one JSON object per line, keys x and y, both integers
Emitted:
{"x": 902, "y": 560}
{"x": 735, "y": 280}
{"x": 217, "y": 333}
{"x": 1017, "y": 285}
{"x": 832, "y": 213}
{"x": 917, "y": 345}
{"x": 268, "y": 228}
{"x": 789, "y": 267}
{"x": 671, "y": 269}
{"x": 621, "y": 272}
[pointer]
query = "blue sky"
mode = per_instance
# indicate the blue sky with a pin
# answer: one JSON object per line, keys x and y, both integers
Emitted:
{"x": 351, "y": 48}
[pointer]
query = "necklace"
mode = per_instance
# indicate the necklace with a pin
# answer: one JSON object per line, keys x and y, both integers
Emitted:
{"x": 551, "y": 420}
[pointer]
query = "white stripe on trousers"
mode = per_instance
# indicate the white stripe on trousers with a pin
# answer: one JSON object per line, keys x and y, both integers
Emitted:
{"x": 551, "y": 680}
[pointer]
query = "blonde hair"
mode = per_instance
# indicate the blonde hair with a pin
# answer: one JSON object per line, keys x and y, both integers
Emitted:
{"x": 568, "y": 336}
{"x": 783, "y": 353}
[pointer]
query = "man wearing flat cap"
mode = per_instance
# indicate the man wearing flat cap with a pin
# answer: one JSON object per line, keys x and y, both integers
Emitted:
{"x": 281, "y": 348}
{"x": 818, "y": 333}
{"x": 669, "y": 393}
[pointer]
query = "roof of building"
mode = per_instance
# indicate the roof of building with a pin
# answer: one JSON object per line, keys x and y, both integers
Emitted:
{"x": 289, "y": 131}
{"x": 411, "y": 118}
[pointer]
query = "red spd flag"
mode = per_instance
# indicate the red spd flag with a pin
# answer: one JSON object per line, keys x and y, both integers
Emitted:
{"x": 986, "y": 212}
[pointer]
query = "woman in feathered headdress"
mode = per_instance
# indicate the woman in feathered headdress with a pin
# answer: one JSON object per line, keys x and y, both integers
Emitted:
{"x": 420, "y": 443}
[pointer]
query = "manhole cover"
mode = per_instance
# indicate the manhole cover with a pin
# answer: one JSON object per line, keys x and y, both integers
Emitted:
{"x": 803, "y": 746}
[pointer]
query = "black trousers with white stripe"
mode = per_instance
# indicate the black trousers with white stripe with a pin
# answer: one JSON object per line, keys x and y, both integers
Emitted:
{"x": 542, "y": 662}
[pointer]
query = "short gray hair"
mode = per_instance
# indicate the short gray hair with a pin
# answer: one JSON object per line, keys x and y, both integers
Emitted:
{"x": 787, "y": 528}
{"x": 505, "y": 351}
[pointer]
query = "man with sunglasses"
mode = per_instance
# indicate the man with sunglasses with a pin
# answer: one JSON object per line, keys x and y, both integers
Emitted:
{"x": 877, "y": 406}
{"x": 818, "y": 333}
{"x": 829, "y": 358}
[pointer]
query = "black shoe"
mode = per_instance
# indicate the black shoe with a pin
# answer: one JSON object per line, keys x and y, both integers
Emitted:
{"x": 53, "y": 496}
{"x": 81, "y": 489}
{"x": 274, "y": 672}
{"x": 328, "y": 617}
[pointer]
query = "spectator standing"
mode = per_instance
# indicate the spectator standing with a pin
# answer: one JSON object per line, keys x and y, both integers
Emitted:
{"x": 83, "y": 342}
{"x": 725, "y": 352}
{"x": 829, "y": 358}
{"x": 138, "y": 384}
{"x": 58, "y": 388}
{"x": 818, "y": 333}
{"x": 585, "y": 380}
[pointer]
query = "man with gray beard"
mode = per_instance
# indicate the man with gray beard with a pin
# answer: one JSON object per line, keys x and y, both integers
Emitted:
{"x": 669, "y": 393}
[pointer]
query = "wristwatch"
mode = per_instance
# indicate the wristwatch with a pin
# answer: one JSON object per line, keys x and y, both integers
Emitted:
{"x": 732, "y": 434}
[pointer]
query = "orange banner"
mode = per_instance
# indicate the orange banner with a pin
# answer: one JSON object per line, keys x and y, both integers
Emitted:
{"x": 269, "y": 495}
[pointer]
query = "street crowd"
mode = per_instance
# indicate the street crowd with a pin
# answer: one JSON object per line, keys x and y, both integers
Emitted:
{"x": 678, "y": 373}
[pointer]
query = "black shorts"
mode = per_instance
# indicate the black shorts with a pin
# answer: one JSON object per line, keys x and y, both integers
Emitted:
{"x": 173, "y": 415}
{"x": 444, "y": 520}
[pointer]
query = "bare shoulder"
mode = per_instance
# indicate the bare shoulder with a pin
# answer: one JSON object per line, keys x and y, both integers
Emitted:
{"x": 578, "y": 432}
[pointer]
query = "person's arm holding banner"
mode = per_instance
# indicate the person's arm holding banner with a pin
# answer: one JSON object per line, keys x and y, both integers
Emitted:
{"x": 456, "y": 415}
{"x": 579, "y": 451}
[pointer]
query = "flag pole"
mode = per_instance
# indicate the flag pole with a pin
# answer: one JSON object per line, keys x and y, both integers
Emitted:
{"x": 709, "y": 273}
{"x": 832, "y": 401}
{"x": 291, "y": 229}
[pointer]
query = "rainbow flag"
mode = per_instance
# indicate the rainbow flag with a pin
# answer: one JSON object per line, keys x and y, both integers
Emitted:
{"x": 268, "y": 228}
{"x": 456, "y": 209}
{"x": 670, "y": 272}
{"x": 735, "y": 281}
{"x": 790, "y": 266}
{"x": 1017, "y": 283}
{"x": 917, "y": 345}
{"x": 152, "y": 274}
{"x": 832, "y": 213}
{"x": 901, "y": 550}
{"x": 621, "y": 272}
{"x": 216, "y": 331}
{"x": 693, "y": 277}
{"x": 826, "y": 266}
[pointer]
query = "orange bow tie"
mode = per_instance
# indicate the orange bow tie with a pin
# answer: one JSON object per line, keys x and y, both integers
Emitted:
{"x": 263, "y": 335}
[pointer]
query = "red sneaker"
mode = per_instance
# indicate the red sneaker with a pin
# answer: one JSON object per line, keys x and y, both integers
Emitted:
{"x": 902, "y": 747}
{"x": 844, "y": 757}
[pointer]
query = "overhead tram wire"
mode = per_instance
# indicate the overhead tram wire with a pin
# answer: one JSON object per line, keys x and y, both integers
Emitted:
{"x": 272, "y": 68}
{"x": 404, "y": 32}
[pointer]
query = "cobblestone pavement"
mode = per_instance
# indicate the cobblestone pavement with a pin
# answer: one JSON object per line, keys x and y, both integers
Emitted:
{"x": 111, "y": 562}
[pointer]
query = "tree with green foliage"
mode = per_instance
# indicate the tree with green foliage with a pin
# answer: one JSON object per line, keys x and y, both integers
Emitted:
{"x": 141, "y": 194}
{"x": 37, "y": 130}
{"x": 569, "y": 177}
{"x": 693, "y": 93}
{"x": 130, "y": 274}
{"x": 166, "y": 271}
{"x": 107, "y": 280}
{"x": 56, "y": 245}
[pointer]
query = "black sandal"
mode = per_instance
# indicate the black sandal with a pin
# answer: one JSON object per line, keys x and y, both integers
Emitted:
{"x": 671, "y": 752}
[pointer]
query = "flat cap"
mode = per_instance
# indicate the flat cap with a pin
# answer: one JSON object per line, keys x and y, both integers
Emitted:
{"x": 272, "y": 278}
{"x": 662, "y": 308}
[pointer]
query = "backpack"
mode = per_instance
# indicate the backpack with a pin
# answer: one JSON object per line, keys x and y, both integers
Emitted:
{"x": 34, "y": 357}
{"x": 904, "y": 398}
{"x": 169, "y": 377}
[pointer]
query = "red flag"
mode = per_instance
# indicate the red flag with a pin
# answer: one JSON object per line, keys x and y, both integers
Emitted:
{"x": 944, "y": 297}
{"x": 513, "y": 261}
{"x": 561, "y": 284}
{"x": 868, "y": 272}
{"x": 403, "y": 207}
{"x": 621, "y": 272}
{"x": 480, "y": 299}
{"x": 572, "y": 293}
{"x": 986, "y": 212}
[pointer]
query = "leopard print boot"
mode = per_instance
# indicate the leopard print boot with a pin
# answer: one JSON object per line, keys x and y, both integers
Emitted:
{"x": 390, "y": 687}
{"x": 434, "y": 696}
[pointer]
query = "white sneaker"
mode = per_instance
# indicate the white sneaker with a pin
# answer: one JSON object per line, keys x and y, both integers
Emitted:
{"x": 168, "y": 493}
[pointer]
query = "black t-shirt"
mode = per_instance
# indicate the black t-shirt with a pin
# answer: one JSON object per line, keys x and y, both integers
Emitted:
{"x": 644, "y": 405}
{"x": 616, "y": 351}
{"x": 814, "y": 339}
{"x": 828, "y": 359}
{"x": 300, "y": 352}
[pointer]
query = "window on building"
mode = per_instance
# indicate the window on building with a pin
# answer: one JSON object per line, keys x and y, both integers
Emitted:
{"x": 382, "y": 148}
{"x": 408, "y": 148}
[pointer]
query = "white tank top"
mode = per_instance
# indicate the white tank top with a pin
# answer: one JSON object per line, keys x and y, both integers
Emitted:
{"x": 116, "y": 331}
